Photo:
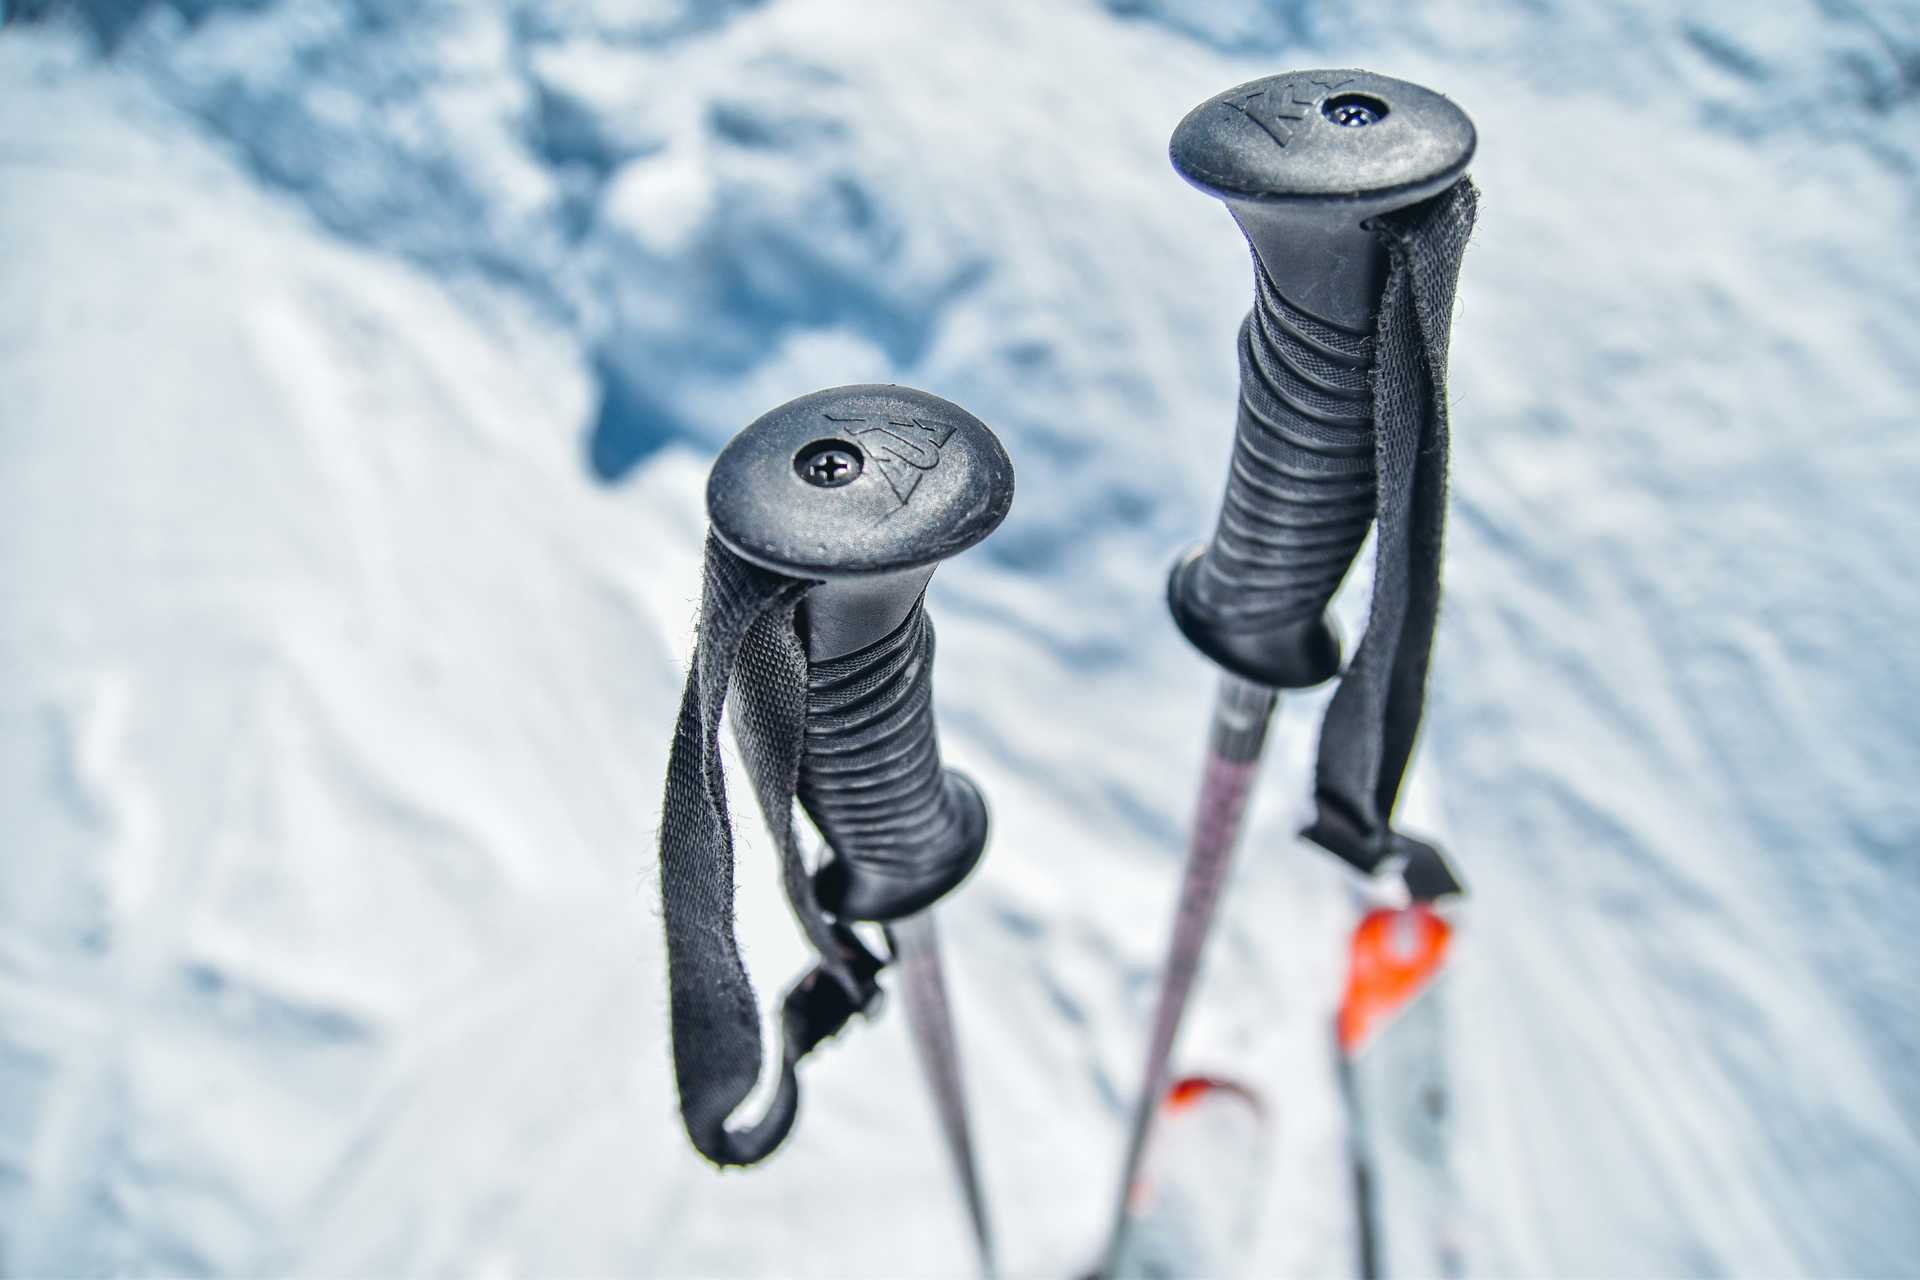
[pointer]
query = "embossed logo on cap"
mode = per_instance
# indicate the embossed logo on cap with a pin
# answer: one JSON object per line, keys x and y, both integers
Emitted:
{"x": 1281, "y": 109}
{"x": 903, "y": 448}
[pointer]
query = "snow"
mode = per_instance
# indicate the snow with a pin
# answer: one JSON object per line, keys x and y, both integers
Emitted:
{"x": 358, "y": 375}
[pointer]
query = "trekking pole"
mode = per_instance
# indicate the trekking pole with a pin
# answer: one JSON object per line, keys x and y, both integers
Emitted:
{"x": 1349, "y": 189}
{"x": 829, "y": 515}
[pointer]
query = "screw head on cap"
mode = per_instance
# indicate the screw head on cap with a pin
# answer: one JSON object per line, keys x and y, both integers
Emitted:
{"x": 1324, "y": 137}
{"x": 859, "y": 480}
{"x": 828, "y": 464}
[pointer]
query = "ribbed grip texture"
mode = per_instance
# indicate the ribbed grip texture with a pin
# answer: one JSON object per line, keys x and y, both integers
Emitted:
{"x": 1300, "y": 493}
{"x": 871, "y": 777}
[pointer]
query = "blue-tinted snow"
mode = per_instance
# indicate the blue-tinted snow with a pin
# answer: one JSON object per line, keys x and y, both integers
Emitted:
{"x": 358, "y": 370}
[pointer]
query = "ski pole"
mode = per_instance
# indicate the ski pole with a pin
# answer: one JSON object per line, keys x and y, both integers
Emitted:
{"x": 1315, "y": 168}
{"x": 1388, "y": 1039}
{"x": 829, "y": 515}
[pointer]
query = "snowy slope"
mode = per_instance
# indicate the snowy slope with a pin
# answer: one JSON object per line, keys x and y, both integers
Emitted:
{"x": 358, "y": 372}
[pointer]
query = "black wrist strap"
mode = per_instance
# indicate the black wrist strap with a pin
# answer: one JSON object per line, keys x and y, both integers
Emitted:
{"x": 747, "y": 647}
{"x": 1368, "y": 735}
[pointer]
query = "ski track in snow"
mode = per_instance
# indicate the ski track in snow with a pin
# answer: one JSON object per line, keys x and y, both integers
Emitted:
{"x": 358, "y": 376}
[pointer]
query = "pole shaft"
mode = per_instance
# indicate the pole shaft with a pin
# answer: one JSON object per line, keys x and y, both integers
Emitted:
{"x": 923, "y": 980}
{"x": 1241, "y": 715}
{"x": 1366, "y": 1233}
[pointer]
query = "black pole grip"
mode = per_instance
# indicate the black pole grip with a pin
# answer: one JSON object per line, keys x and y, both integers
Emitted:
{"x": 864, "y": 490}
{"x": 1304, "y": 161}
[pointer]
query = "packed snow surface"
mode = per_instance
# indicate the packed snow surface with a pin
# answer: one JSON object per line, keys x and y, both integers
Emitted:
{"x": 360, "y": 364}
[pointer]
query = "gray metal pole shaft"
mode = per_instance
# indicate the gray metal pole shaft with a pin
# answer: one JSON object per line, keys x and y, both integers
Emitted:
{"x": 1241, "y": 715}
{"x": 923, "y": 979}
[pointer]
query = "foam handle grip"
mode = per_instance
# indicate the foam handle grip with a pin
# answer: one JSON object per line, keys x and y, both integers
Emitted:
{"x": 903, "y": 830}
{"x": 1303, "y": 161}
{"x": 1298, "y": 502}
{"x": 863, "y": 491}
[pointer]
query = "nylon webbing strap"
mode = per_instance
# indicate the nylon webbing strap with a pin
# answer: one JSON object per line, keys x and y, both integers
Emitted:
{"x": 1368, "y": 735}
{"x": 747, "y": 646}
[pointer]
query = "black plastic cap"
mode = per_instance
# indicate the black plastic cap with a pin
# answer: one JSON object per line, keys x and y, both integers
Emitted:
{"x": 1281, "y": 139}
{"x": 916, "y": 479}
